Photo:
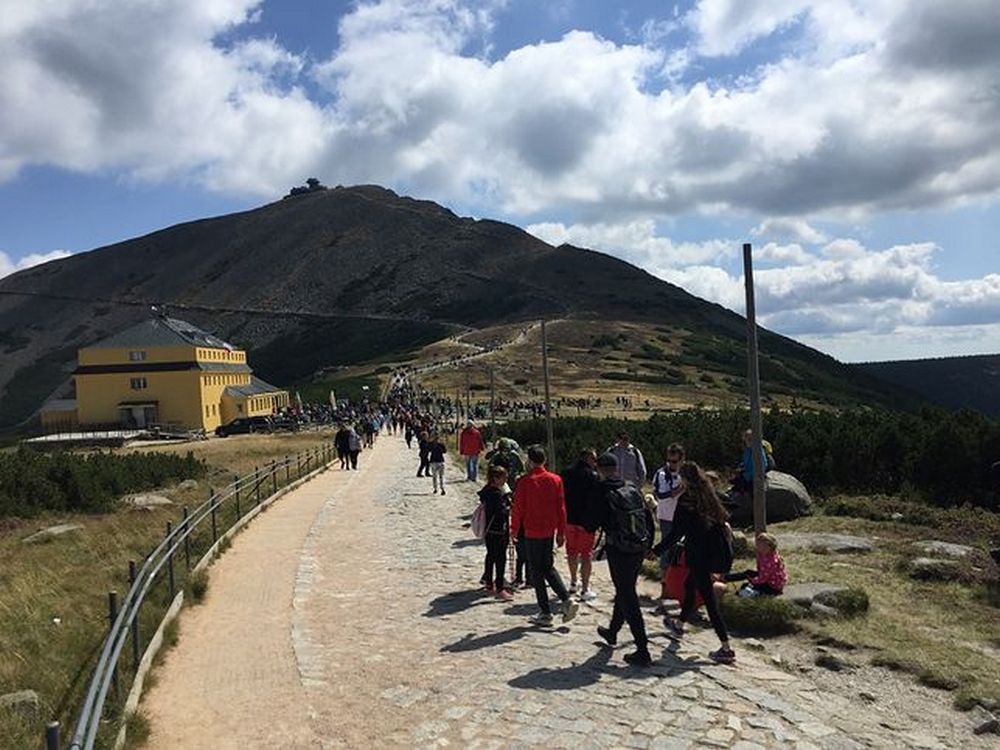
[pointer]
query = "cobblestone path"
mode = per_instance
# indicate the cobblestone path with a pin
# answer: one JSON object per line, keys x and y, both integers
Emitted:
{"x": 347, "y": 616}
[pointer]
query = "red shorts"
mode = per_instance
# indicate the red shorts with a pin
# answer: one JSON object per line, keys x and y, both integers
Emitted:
{"x": 579, "y": 542}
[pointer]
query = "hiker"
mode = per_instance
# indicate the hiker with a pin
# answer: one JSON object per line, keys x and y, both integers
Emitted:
{"x": 470, "y": 445}
{"x": 504, "y": 455}
{"x": 341, "y": 440}
{"x": 435, "y": 457}
{"x": 631, "y": 464}
{"x": 770, "y": 577}
{"x": 743, "y": 479}
{"x": 496, "y": 504}
{"x": 666, "y": 489}
{"x": 540, "y": 511}
{"x": 702, "y": 521}
{"x": 408, "y": 434}
{"x": 628, "y": 534}
{"x": 579, "y": 484}
{"x": 423, "y": 453}
{"x": 353, "y": 446}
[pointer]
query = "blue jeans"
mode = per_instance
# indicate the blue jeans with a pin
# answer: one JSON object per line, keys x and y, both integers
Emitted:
{"x": 472, "y": 468}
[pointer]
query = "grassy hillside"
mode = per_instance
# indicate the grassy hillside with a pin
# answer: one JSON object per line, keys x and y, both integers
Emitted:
{"x": 955, "y": 382}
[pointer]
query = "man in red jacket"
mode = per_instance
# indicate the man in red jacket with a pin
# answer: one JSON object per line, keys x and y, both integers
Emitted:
{"x": 540, "y": 509}
{"x": 470, "y": 445}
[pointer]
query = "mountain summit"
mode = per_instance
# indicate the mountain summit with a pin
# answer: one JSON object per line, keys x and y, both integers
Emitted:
{"x": 334, "y": 277}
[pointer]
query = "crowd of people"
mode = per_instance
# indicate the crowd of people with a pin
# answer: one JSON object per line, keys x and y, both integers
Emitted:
{"x": 596, "y": 508}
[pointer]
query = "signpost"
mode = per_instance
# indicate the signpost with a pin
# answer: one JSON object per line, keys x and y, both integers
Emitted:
{"x": 753, "y": 381}
{"x": 548, "y": 404}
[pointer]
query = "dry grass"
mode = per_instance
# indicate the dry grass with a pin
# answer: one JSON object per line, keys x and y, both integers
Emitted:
{"x": 67, "y": 579}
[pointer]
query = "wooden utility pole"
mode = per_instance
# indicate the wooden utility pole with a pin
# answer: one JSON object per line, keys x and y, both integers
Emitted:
{"x": 548, "y": 402}
{"x": 753, "y": 380}
{"x": 493, "y": 408}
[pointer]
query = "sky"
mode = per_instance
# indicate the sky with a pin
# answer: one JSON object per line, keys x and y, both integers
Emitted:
{"x": 854, "y": 143}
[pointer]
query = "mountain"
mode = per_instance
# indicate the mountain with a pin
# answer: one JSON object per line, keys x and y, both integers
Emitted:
{"x": 354, "y": 274}
{"x": 971, "y": 382}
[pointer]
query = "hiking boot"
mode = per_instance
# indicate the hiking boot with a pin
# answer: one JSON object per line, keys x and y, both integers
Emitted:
{"x": 541, "y": 618}
{"x": 675, "y": 628}
{"x": 573, "y": 587}
{"x": 488, "y": 589}
{"x": 442, "y": 490}
{"x": 639, "y": 658}
{"x": 518, "y": 583}
{"x": 607, "y": 636}
{"x": 723, "y": 656}
{"x": 505, "y": 595}
{"x": 569, "y": 610}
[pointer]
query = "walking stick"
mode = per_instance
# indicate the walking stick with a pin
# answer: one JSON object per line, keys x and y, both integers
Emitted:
{"x": 511, "y": 565}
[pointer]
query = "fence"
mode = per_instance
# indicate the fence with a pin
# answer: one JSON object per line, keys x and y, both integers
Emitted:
{"x": 215, "y": 519}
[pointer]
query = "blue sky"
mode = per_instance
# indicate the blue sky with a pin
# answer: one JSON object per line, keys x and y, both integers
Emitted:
{"x": 855, "y": 143}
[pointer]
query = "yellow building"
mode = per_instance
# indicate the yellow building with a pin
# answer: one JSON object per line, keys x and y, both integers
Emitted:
{"x": 168, "y": 372}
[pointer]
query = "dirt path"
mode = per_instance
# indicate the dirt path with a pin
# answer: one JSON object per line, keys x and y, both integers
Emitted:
{"x": 347, "y": 616}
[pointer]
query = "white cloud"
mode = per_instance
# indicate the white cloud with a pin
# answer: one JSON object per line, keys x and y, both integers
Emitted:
{"x": 784, "y": 228}
{"x": 8, "y": 265}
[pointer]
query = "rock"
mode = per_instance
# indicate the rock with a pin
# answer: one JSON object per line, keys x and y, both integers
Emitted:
{"x": 868, "y": 697}
{"x": 831, "y": 661}
{"x": 147, "y": 501}
{"x": 52, "y": 532}
{"x": 805, "y": 594}
{"x": 822, "y": 542}
{"x": 786, "y": 498}
{"x": 24, "y": 702}
{"x": 897, "y": 516}
{"x": 188, "y": 484}
{"x": 777, "y": 660}
{"x": 823, "y": 610}
{"x": 754, "y": 644}
{"x": 985, "y": 722}
{"x": 934, "y": 569}
{"x": 934, "y": 547}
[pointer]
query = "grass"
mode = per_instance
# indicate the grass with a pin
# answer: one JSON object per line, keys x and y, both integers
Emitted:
{"x": 54, "y": 608}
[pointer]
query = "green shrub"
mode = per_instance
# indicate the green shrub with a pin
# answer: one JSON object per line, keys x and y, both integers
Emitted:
{"x": 849, "y": 603}
{"x": 197, "y": 587}
{"x": 761, "y": 616}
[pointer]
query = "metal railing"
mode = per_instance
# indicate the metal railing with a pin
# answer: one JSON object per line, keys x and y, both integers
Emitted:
{"x": 233, "y": 501}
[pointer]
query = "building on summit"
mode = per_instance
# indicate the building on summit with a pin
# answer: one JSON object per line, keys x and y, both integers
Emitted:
{"x": 168, "y": 372}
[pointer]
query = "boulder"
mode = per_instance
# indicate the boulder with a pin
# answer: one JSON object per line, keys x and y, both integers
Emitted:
{"x": 188, "y": 484}
{"x": 823, "y": 542}
{"x": 24, "y": 702}
{"x": 786, "y": 498}
{"x": 934, "y": 569}
{"x": 933, "y": 547}
{"x": 805, "y": 594}
{"x": 147, "y": 501}
{"x": 52, "y": 532}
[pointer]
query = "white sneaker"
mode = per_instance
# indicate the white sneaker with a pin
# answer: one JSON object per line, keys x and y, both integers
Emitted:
{"x": 588, "y": 595}
{"x": 569, "y": 610}
{"x": 540, "y": 619}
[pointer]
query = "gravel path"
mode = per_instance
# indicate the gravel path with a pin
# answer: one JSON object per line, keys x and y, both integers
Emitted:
{"x": 346, "y": 616}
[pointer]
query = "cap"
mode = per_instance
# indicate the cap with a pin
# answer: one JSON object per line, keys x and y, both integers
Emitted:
{"x": 608, "y": 460}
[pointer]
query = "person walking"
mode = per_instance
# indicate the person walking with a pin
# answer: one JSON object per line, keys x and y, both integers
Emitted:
{"x": 435, "y": 457}
{"x": 496, "y": 513}
{"x": 470, "y": 445}
{"x": 702, "y": 521}
{"x": 353, "y": 446}
{"x": 628, "y": 535}
{"x": 423, "y": 453}
{"x": 666, "y": 489}
{"x": 579, "y": 483}
{"x": 540, "y": 510}
{"x": 341, "y": 441}
{"x": 631, "y": 464}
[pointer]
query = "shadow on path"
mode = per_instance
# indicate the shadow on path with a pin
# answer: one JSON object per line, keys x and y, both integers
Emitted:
{"x": 462, "y": 543}
{"x": 456, "y": 601}
{"x": 472, "y": 642}
{"x": 565, "y": 678}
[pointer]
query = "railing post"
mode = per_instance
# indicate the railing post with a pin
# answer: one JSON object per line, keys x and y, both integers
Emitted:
{"x": 187, "y": 539}
{"x": 170, "y": 563}
{"x": 288, "y": 470}
{"x": 112, "y": 614}
{"x": 274, "y": 477}
{"x": 135, "y": 622}
{"x": 215, "y": 504}
{"x": 298, "y": 466}
{"x": 256, "y": 484}
{"x": 52, "y": 736}
{"x": 236, "y": 484}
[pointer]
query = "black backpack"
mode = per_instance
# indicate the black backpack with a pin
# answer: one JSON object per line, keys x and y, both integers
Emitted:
{"x": 629, "y": 530}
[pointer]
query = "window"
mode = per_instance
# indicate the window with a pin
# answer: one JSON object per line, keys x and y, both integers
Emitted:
{"x": 136, "y": 356}
{"x": 207, "y": 412}
{"x": 137, "y": 384}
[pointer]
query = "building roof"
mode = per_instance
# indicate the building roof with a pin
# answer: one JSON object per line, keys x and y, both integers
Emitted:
{"x": 256, "y": 388}
{"x": 60, "y": 404}
{"x": 161, "y": 331}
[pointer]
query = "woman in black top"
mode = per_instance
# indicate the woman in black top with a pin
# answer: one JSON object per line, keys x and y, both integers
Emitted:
{"x": 702, "y": 521}
{"x": 424, "y": 453}
{"x": 497, "y": 517}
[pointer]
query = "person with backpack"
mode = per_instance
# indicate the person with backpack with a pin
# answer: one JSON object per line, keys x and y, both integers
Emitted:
{"x": 666, "y": 489}
{"x": 341, "y": 441}
{"x": 631, "y": 464}
{"x": 540, "y": 512}
{"x": 353, "y": 446}
{"x": 703, "y": 522}
{"x": 628, "y": 536}
{"x": 435, "y": 457}
{"x": 579, "y": 483}
{"x": 495, "y": 510}
{"x": 423, "y": 453}
{"x": 504, "y": 455}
